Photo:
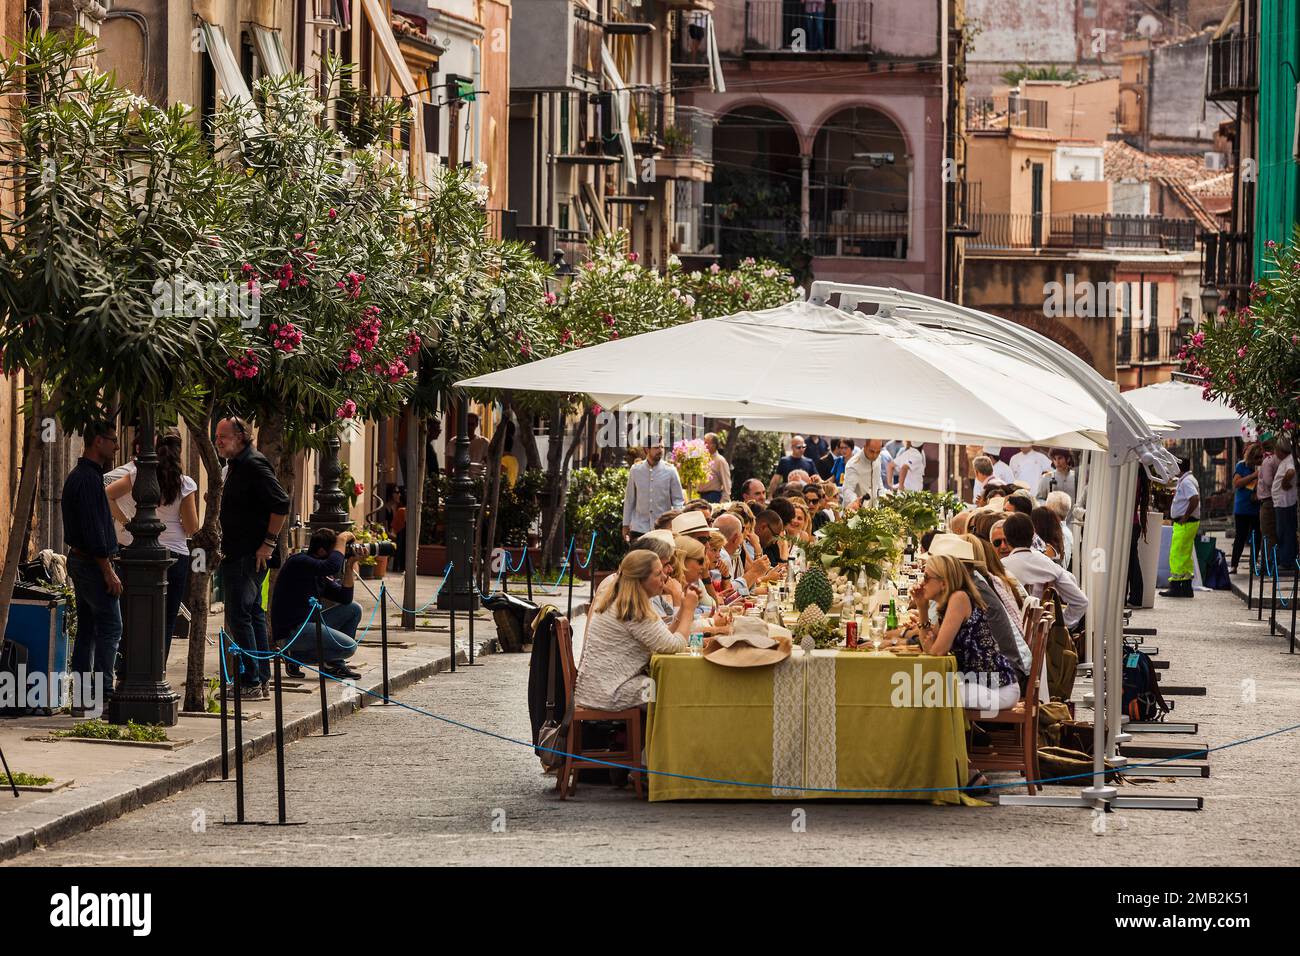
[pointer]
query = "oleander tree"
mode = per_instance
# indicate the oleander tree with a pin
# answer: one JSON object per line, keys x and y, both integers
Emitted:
{"x": 1250, "y": 358}
{"x": 115, "y": 198}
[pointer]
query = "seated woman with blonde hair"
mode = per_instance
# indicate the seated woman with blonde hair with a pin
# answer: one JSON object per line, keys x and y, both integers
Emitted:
{"x": 690, "y": 573}
{"x": 953, "y": 620}
{"x": 623, "y": 631}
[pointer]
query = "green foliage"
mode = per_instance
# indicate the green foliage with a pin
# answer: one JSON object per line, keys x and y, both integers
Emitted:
{"x": 519, "y": 507}
{"x": 212, "y": 698}
{"x": 595, "y": 503}
{"x": 863, "y": 541}
{"x": 25, "y": 779}
{"x": 1251, "y": 358}
{"x": 1015, "y": 76}
{"x": 103, "y": 730}
{"x": 921, "y": 511}
{"x": 751, "y": 455}
{"x": 370, "y": 534}
{"x": 813, "y": 588}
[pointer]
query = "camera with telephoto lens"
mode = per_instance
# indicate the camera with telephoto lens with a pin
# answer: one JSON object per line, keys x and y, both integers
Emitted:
{"x": 372, "y": 549}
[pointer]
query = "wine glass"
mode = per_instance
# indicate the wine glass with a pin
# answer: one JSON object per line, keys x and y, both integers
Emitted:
{"x": 877, "y": 632}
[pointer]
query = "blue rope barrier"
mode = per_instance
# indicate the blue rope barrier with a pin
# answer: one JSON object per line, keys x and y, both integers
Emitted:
{"x": 591, "y": 551}
{"x": 769, "y": 786}
{"x": 445, "y": 578}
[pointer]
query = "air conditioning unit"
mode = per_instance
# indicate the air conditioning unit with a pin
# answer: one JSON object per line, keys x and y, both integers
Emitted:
{"x": 1216, "y": 161}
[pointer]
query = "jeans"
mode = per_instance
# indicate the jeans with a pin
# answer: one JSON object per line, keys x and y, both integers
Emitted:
{"x": 178, "y": 576}
{"x": 245, "y": 619}
{"x": 99, "y": 622}
{"x": 338, "y": 636}
{"x": 1286, "y": 542}
{"x": 816, "y": 25}
{"x": 1247, "y": 526}
{"x": 713, "y": 497}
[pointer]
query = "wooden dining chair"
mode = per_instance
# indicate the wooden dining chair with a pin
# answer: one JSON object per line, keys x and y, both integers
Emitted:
{"x": 1013, "y": 733}
{"x": 580, "y": 757}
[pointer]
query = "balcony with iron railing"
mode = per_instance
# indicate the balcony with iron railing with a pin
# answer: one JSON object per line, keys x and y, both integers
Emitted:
{"x": 587, "y": 39}
{"x": 963, "y": 209}
{"x": 688, "y": 146}
{"x": 1226, "y": 264}
{"x": 783, "y": 28}
{"x": 690, "y": 46}
{"x": 1005, "y": 112}
{"x": 1156, "y": 345}
{"x": 1233, "y": 67}
{"x": 1000, "y": 230}
{"x": 645, "y": 118}
{"x": 878, "y": 234}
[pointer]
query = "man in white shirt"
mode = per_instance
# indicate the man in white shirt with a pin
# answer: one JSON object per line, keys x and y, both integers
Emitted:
{"x": 1284, "y": 506}
{"x": 653, "y": 487}
{"x": 1028, "y": 465}
{"x": 1185, "y": 513}
{"x": 909, "y": 469}
{"x": 1035, "y": 570}
{"x": 862, "y": 480}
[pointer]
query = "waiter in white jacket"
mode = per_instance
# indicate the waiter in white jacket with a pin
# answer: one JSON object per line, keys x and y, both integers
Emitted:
{"x": 862, "y": 480}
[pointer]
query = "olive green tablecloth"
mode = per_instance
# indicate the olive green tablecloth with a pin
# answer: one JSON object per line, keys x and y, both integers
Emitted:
{"x": 831, "y": 720}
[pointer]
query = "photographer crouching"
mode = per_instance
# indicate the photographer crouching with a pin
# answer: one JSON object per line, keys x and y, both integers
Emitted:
{"x": 315, "y": 573}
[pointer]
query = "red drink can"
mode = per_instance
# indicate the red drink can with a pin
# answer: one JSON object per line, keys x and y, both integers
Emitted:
{"x": 851, "y": 634}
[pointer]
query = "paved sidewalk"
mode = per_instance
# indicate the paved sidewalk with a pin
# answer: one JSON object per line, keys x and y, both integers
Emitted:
{"x": 100, "y": 781}
{"x": 401, "y": 788}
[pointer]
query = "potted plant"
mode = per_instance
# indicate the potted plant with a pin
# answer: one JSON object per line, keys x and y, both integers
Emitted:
{"x": 371, "y": 567}
{"x": 595, "y": 504}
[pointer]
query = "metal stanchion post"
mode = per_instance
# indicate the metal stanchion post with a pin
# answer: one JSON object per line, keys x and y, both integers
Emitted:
{"x": 225, "y": 728}
{"x": 1295, "y": 583}
{"x": 452, "y": 634}
{"x": 1272, "y": 595}
{"x": 279, "y": 740}
{"x": 239, "y": 748}
{"x": 591, "y": 576}
{"x": 320, "y": 677}
{"x": 1250, "y": 587}
{"x": 383, "y": 636}
{"x": 528, "y": 562}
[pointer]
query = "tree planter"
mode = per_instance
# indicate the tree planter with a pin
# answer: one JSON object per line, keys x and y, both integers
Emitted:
{"x": 381, "y": 566}
{"x": 601, "y": 576}
{"x": 431, "y": 559}
{"x": 366, "y": 572}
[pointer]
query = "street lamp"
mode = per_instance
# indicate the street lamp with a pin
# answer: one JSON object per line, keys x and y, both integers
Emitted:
{"x": 462, "y": 507}
{"x": 329, "y": 512}
{"x": 563, "y": 270}
{"x": 1209, "y": 301}
{"x": 142, "y": 693}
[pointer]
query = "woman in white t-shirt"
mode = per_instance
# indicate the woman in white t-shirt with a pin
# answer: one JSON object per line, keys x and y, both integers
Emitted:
{"x": 178, "y": 511}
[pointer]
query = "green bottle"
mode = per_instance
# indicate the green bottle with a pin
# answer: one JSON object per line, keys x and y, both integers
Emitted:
{"x": 891, "y": 620}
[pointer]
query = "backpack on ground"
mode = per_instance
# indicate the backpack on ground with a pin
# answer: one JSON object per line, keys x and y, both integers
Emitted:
{"x": 1142, "y": 698}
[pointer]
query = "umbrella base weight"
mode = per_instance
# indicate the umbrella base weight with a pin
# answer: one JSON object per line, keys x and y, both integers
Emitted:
{"x": 1160, "y": 728}
{"x": 1158, "y": 803}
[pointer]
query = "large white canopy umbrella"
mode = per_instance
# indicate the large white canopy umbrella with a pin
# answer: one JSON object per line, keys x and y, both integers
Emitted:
{"x": 817, "y": 363}
{"x": 1193, "y": 416}
{"x": 915, "y": 367}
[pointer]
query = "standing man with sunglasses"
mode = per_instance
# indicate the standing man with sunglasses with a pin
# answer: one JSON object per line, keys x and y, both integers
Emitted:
{"x": 795, "y": 461}
{"x": 253, "y": 510}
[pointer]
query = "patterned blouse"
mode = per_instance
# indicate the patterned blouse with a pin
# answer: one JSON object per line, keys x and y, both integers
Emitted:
{"x": 977, "y": 652}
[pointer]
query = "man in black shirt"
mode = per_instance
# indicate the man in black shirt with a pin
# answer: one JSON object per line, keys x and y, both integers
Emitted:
{"x": 253, "y": 509}
{"x": 92, "y": 542}
{"x": 311, "y": 574}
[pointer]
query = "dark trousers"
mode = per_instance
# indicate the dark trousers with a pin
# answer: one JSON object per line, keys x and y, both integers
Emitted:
{"x": 245, "y": 619}
{"x": 1136, "y": 586}
{"x": 713, "y": 497}
{"x": 1247, "y": 526}
{"x": 99, "y": 623}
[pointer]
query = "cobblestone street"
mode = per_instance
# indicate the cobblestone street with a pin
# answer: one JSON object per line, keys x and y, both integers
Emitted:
{"x": 402, "y": 788}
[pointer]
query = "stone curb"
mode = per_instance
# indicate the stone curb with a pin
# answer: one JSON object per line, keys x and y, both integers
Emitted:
{"x": 70, "y": 812}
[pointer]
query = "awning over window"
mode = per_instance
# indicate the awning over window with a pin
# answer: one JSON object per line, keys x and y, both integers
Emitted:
{"x": 622, "y": 101}
{"x": 226, "y": 66}
{"x": 270, "y": 50}
{"x": 377, "y": 16}
{"x": 716, "y": 83}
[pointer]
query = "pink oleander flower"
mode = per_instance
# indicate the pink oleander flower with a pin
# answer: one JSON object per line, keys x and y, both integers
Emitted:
{"x": 413, "y": 343}
{"x": 333, "y": 214}
{"x": 550, "y": 298}
{"x": 351, "y": 362}
{"x": 715, "y": 268}
{"x": 347, "y": 410}
{"x": 632, "y": 257}
{"x": 1241, "y": 352}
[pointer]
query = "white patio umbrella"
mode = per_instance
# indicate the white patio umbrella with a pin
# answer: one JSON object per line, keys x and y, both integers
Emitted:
{"x": 818, "y": 363}
{"x": 1182, "y": 404}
